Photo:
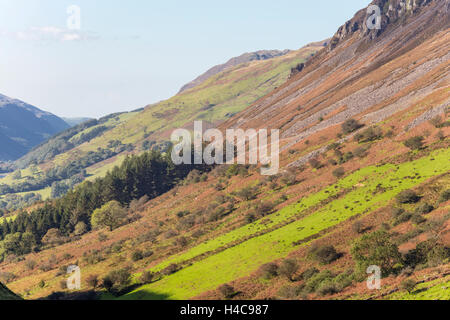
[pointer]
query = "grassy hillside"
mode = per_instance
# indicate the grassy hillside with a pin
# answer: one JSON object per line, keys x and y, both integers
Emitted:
{"x": 215, "y": 100}
{"x": 364, "y": 180}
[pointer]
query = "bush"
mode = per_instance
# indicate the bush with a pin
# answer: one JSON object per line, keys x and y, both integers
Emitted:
{"x": 92, "y": 281}
{"x": 325, "y": 254}
{"x": 288, "y": 268}
{"x": 171, "y": 269}
{"x": 417, "y": 219}
{"x": 262, "y": 209}
{"x": 377, "y": 249}
{"x": 315, "y": 164}
{"x": 369, "y": 135}
{"x": 117, "y": 280}
{"x": 269, "y": 270}
{"x": 227, "y": 291}
{"x": 326, "y": 288}
{"x": 339, "y": 172}
{"x": 424, "y": 208}
{"x": 146, "y": 277}
{"x": 309, "y": 273}
{"x": 350, "y": 126}
{"x": 445, "y": 196}
{"x": 408, "y": 285}
{"x": 404, "y": 217}
{"x": 247, "y": 193}
{"x": 289, "y": 292}
{"x": 407, "y": 196}
{"x": 316, "y": 280}
{"x": 360, "y": 152}
{"x": 137, "y": 255}
{"x": 30, "y": 264}
{"x": 414, "y": 143}
{"x": 358, "y": 227}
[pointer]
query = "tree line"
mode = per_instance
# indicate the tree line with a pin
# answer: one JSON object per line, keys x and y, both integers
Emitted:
{"x": 150, "y": 174}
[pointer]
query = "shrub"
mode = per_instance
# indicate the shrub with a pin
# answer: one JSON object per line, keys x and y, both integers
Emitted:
{"x": 315, "y": 164}
{"x": 247, "y": 193}
{"x": 326, "y": 288}
{"x": 424, "y": 208}
{"x": 264, "y": 208}
{"x": 397, "y": 212}
{"x": 289, "y": 178}
{"x": 436, "y": 121}
{"x": 315, "y": 281}
{"x": 30, "y": 264}
{"x": 339, "y": 172}
{"x": 404, "y": 217}
{"x": 146, "y": 277}
{"x": 137, "y": 255}
{"x": 407, "y": 196}
{"x": 414, "y": 143}
{"x": 250, "y": 218}
{"x": 360, "y": 152}
{"x": 408, "y": 285}
{"x": 171, "y": 269}
{"x": 325, "y": 254}
{"x": 289, "y": 292}
{"x": 309, "y": 273}
{"x": 92, "y": 281}
{"x": 41, "y": 284}
{"x": 445, "y": 196}
{"x": 288, "y": 268}
{"x": 117, "y": 280}
{"x": 269, "y": 270}
{"x": 368, "y": 135}
{"x": 227, "y": 291}
{"x": 350, "y": 126}
{"x": 358, "y": 227}
{"x": 348, "y": 156}
{"x": 417, "y": 219}
{"x": 63, "y": 284}
{"x": 377, "y": 249}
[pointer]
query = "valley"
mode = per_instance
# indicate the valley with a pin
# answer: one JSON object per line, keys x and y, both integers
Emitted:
{"x": 363, "y": 181}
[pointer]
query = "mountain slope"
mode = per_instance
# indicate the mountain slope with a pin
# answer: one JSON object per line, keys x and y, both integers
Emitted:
{"x": 23, "y": 126}
{"x": 338, "y": 185}
{"x": 213, "y": 101}
{"x": 246, "y": 57}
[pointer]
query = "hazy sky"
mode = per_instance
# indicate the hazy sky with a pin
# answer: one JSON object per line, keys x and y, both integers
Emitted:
{"x": 131, "y": 53}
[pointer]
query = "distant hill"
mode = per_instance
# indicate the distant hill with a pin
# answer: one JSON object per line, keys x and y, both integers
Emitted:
{"x": 75, "y": 121}
{"x": 23, "y": 126}
{"x": 246, "y": 57}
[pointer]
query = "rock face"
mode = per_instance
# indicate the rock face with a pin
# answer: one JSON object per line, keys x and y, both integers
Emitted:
{"x": 246, "y": 57}
{"x": 393, "y": 12}
{"x": 364, "y": 74}
{"x": 23, "y": 126}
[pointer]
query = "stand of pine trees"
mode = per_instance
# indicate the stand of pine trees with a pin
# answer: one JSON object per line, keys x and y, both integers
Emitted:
{"x": 150, "y": 174}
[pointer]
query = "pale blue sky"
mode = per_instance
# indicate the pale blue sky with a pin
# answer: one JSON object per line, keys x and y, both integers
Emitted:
{"x": 136, "y": 52}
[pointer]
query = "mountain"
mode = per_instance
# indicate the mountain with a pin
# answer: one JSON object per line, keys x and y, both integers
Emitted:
{"x": 93, "y": 147}
{"x": 23, "y": 126}
{"x": 364, "y": 181}
{"x": 246, "y": 57}
{"x": 75, "y": 121}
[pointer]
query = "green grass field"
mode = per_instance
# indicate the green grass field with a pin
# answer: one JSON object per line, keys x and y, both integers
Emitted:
{"x": 244, "y": 258}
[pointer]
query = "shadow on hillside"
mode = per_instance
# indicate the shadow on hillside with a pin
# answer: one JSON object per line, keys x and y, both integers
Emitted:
{"x": 144, "y": 295}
